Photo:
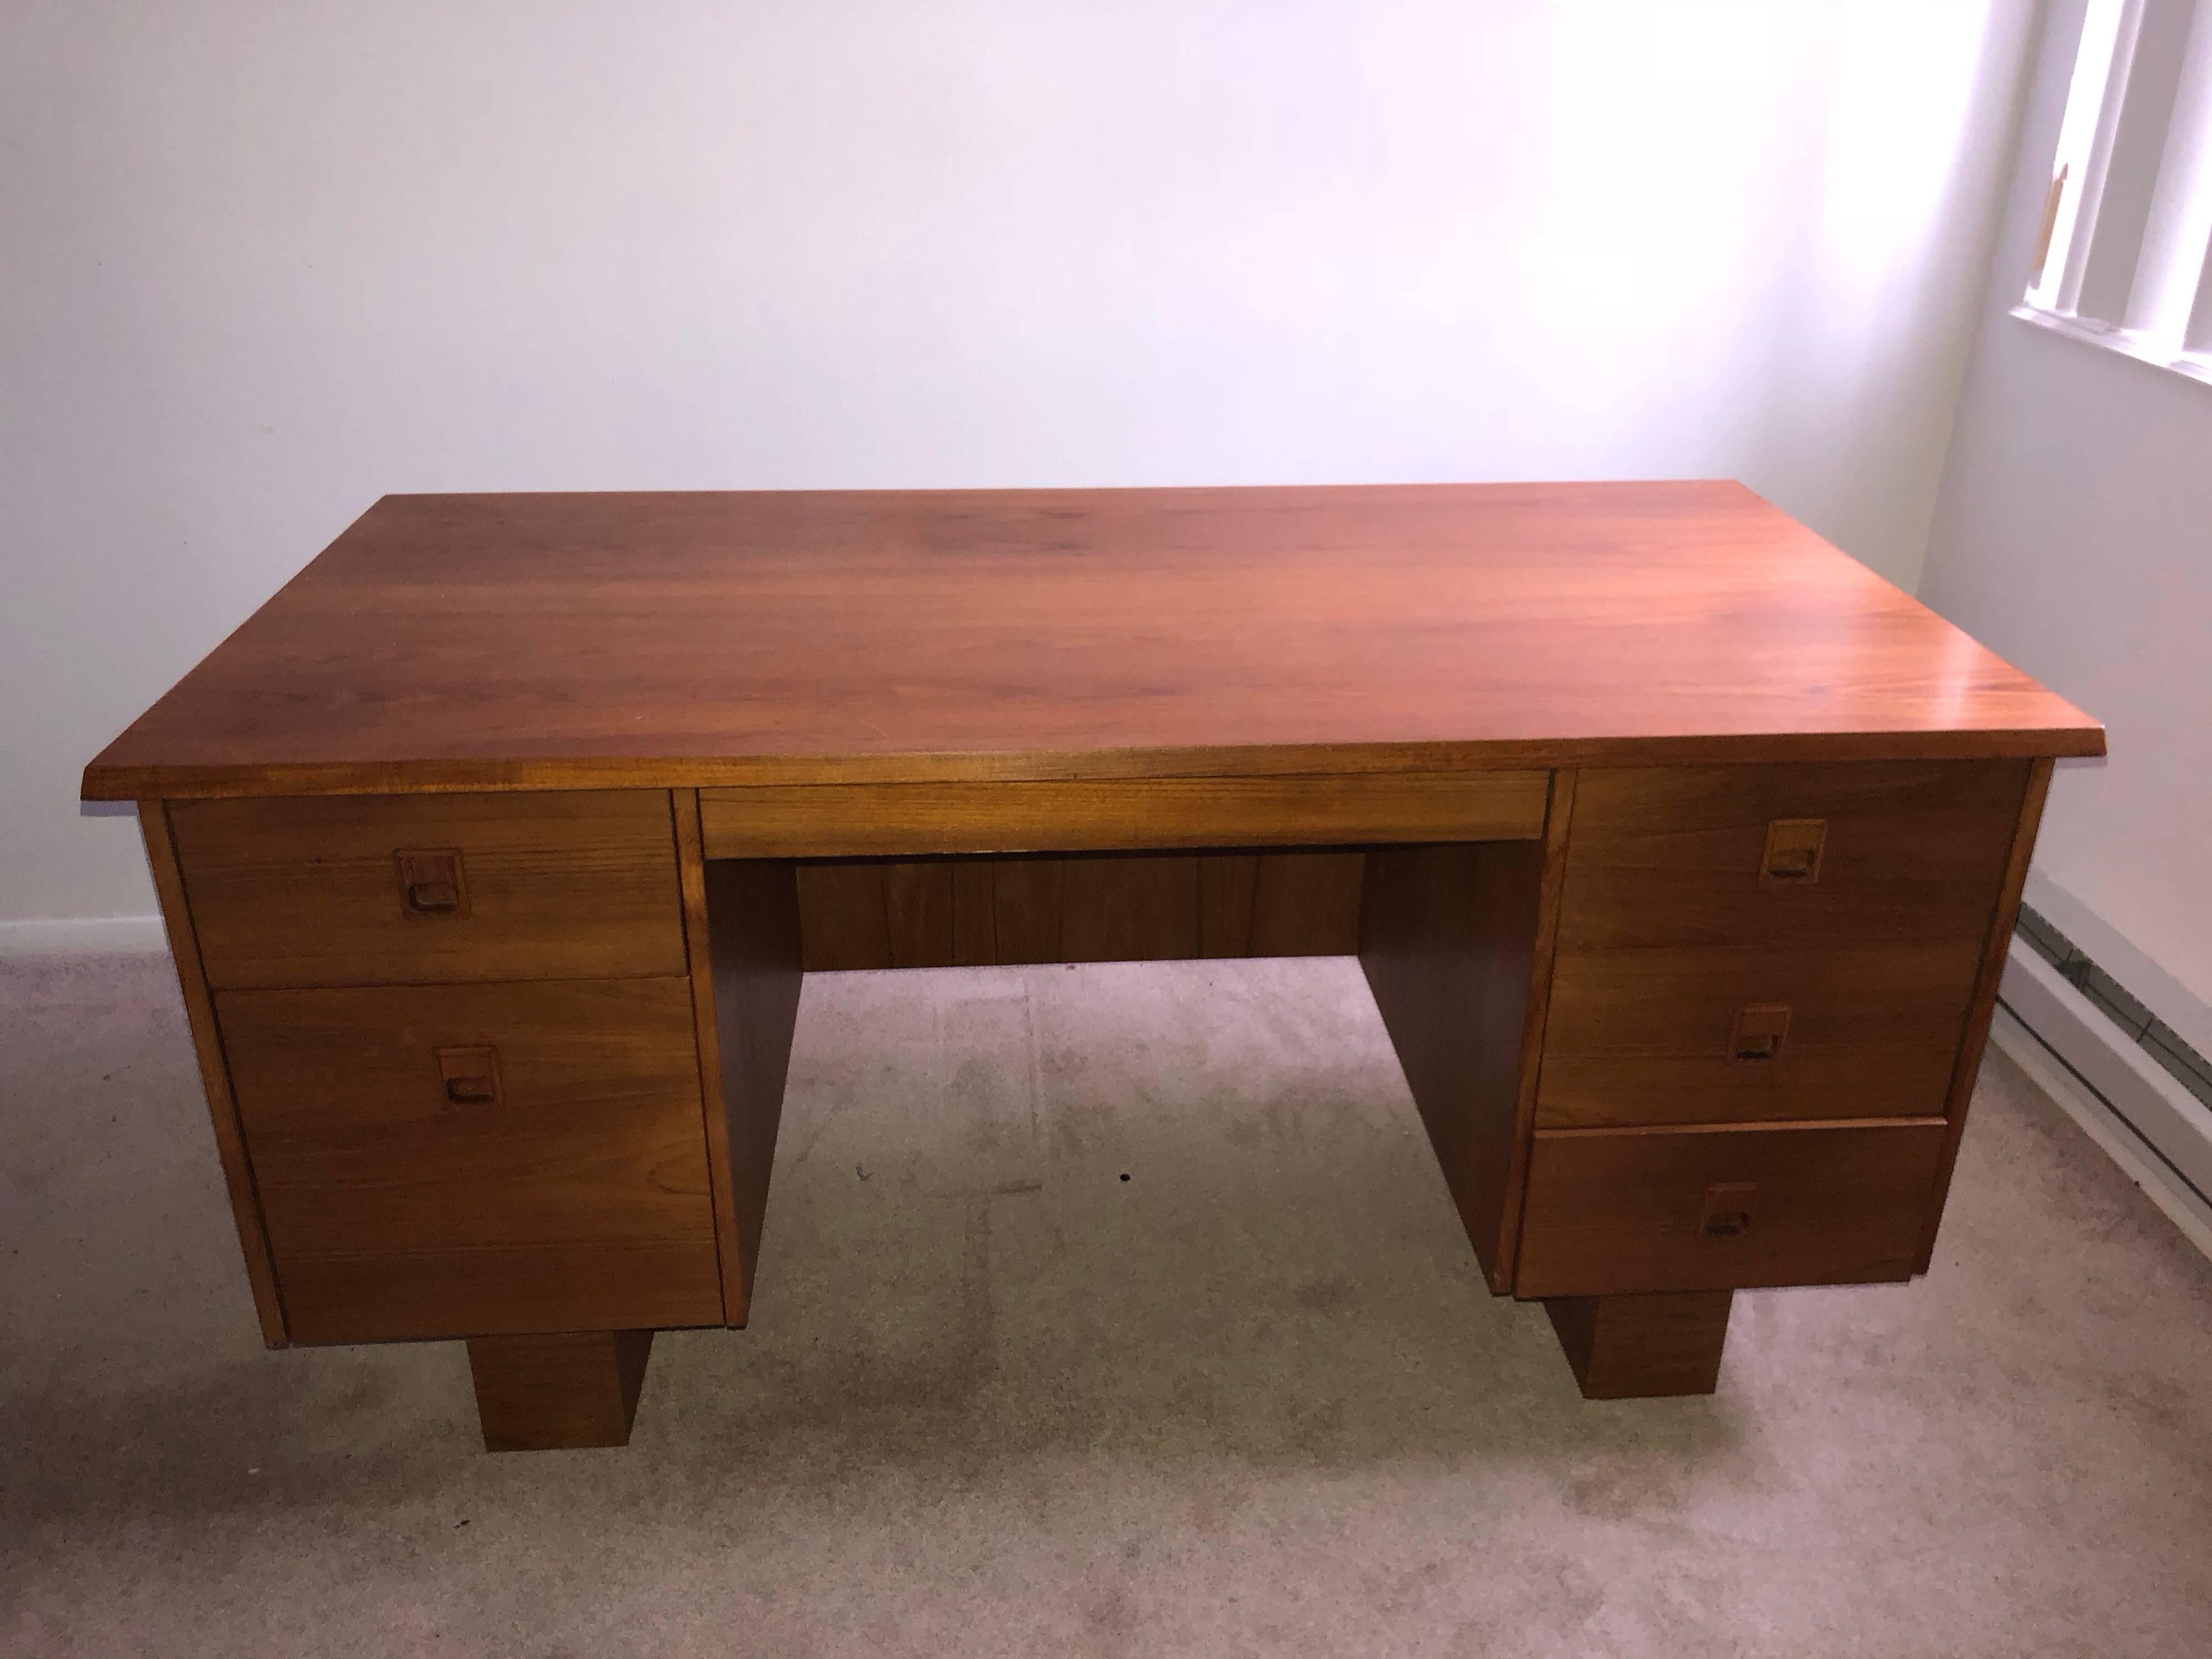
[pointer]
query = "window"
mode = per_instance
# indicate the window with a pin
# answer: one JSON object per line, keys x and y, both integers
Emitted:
{"x": 2122, "y": 254}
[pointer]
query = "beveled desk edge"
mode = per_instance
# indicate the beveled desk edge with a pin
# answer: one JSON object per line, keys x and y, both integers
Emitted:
{"x": 496, "y": 773}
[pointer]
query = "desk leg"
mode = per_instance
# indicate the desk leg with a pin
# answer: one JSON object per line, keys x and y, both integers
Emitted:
{"x": 1639, "y": 1347}
{"x": 547, "y": 1393}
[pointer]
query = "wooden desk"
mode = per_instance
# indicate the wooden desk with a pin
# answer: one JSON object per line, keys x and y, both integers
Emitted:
{"x": 1680, "y": 851}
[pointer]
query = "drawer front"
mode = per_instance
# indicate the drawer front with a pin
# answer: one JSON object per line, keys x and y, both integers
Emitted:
{"x": 1706, "y": 1034}
{"x": 1800, "y": 854}
{"x": 467, "y": 1160}
{"x": 407, "y": 889}
{"x": 825, "y": 820}
{"x": 1725, "y": 1209}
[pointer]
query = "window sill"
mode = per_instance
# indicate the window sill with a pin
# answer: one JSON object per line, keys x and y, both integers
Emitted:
{"x": 2127, "y": 342}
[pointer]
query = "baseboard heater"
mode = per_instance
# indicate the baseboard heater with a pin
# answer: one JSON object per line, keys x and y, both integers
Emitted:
{"x": 2139, "y": 1090}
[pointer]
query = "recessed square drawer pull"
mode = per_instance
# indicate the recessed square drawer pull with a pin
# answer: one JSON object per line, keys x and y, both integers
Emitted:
{"x": 1728, "y": 1206}
{"x": 1793, "y": 851}
{"x": 471, "y": 1075}
{"x": 1759, "y": 1031}
{"x": 432, "y": 883}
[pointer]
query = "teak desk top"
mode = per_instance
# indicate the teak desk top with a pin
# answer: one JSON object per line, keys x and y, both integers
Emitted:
{"x": 575, "y": 640}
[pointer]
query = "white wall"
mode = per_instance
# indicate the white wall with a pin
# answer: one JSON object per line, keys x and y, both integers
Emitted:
{"x": 264, "y": 262}
{"x": 2075, "y": 536}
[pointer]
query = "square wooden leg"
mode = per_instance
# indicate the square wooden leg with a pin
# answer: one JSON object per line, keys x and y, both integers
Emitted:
{"x": 568, "y": 1389}
{"x": 1636, "y": 1348}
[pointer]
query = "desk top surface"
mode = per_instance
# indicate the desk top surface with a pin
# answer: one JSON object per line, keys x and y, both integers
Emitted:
{"x": 581, "y": 641}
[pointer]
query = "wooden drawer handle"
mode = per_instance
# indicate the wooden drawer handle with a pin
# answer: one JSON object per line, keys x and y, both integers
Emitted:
{"x": 433, "y": 882}
{"x": 471, "y": 1076}
{"x": 1729, "y": 1208}
{"x": 1793, "y": 851}
{"x": 1759, "y": 1032}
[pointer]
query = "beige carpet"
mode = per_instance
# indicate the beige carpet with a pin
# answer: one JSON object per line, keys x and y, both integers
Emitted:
{"x": 997, "y": 1400}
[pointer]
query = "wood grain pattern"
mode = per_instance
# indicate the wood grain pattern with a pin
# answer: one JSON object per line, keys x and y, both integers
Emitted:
{"x": 581, "y": 1199}
{"x": 1448, "y": 939}
{"x": 535, "y": 642}
{"x": 1028, "y": 897}
{"x": 974, "y": 914}
{"x": 1643, "y": 1347}
{"x": 1968, "y": 1066}
{"x": 578, "y": 886}
{"x": 558, "y": 1391}
{"x": 1620, "y": 1212}
{"x": 1676, "y": 855}
{"x": 1645, "y": 1037}
{"x": 1117, "y": 907}
{"x": 215, "y": 1073}
{"x": 1307, "y": 904}
{"x": 845, "y": 915}
{"x": 841, "y": 820}
{"x": 918, "y": 913}
{"x": 705, "y": 1033}
{"x": 1138, "y": 909}
{"x": 1535, "y": 1020}
{"x": 1227, "y": 885}
{"x": 753, "y": 909}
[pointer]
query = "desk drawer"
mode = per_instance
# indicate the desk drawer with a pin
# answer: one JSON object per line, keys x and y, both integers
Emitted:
{"x": 467, "y": 1160}
{"x": 1801, "y": 854}
{"x": 359, "y": 889}
{"x": 1710, "y": 1033}
{"x": 1725, "y": 1209}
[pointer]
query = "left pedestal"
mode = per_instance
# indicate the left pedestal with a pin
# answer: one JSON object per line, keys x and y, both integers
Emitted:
{"x": 572, "y": 1390}
{"x": 477, "y": 1071}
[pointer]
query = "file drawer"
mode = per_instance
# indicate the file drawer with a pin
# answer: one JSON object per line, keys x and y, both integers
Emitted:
{"x": 1714, "y": 1209}
{"x": 410, "y": 889}
{"x": 1803, "y": 855}
{"x": 1711, "y": 1034}
{"x": 468, "y": 1159}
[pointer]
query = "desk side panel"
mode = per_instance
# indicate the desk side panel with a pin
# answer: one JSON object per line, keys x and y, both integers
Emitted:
{"x": 751, "y": 924}
{"x": 1984, "y": 1008}
{"x": 1456, "y": 942}
{"x": 215, "y": 1071}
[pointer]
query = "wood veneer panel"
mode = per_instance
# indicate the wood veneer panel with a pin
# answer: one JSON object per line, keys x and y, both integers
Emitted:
{"x": 1617, "y": 1212}
{"x": 1142, "y": 909}
{"x": 566, "y": 640}
{"x": 1048, "y": 908}
{"x": 1226, "y": 888}
{"x": 215, "y": 1072}
{"x": 840, "y": 820}
{"x": 1028, "y": 897}
{"x": 845, "y": 911}
{"x": 698, "y": 946}
{"x": 753, "y": 923}
{"x": 918, "y": 908}
{"x": 975, "y": 921}
{"x": 2004, "y": 918}
{"x": 577, "y": 1195}
{"x": 1449, "y": 939}
{"x": 1536, "y": 1018}
{"x": 575, "y": 885}
{"x": 1307, "y": 904}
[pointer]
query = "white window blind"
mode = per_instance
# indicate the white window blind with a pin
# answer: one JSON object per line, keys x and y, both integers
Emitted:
{"x": 2124, "y": 252}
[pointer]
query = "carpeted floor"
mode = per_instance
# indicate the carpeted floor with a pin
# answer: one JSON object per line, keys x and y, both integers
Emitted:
{"x": 996, "y": 1400}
